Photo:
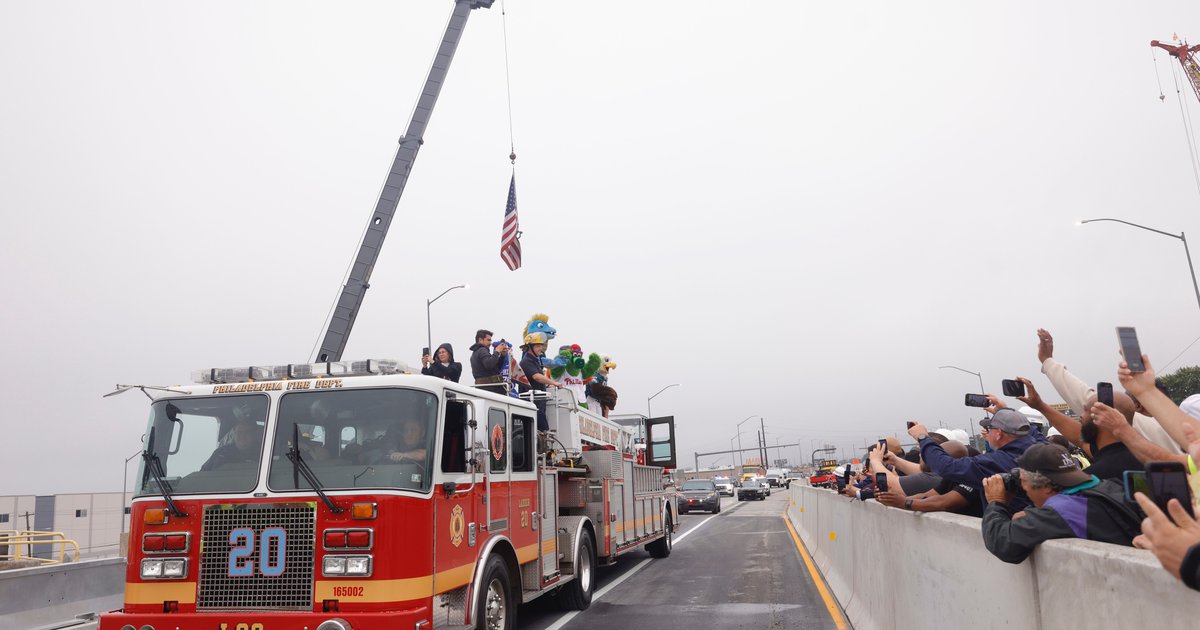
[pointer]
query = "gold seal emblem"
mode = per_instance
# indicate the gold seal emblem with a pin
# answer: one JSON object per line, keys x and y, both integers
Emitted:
{"x": 457, "y": 525}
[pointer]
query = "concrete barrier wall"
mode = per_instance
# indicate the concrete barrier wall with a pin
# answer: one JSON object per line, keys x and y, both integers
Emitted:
{"x": 894, "y": 569}
{"x": 40, "y": 596}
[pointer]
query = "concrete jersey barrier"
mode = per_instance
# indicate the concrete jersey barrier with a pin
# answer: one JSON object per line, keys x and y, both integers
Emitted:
{"x": 896, "y": 569}
{"x": 45, "y": 595}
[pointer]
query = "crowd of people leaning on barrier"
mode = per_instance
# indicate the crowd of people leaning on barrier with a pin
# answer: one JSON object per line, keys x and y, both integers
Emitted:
{"x": 1028, "y": 488}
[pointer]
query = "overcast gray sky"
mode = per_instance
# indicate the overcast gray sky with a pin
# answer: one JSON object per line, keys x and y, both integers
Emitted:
{"x": 797, "y": 210}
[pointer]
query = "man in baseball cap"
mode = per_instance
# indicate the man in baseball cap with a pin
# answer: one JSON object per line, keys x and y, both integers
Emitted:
{"x": 1007, "y": 432}
{"x": 1009, "y": 421}
{"x": 1067, "y": 503}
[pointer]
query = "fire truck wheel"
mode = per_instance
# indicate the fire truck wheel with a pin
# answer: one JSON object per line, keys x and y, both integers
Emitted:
{"x": 661, "y": 548}
{"x": 577, "y": 595}
{"x": 495, "y": 610}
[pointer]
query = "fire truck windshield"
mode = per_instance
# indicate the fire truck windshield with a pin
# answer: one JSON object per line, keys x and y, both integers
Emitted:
{"x": 208, "y": 444}
{"x": 356, "y": 438}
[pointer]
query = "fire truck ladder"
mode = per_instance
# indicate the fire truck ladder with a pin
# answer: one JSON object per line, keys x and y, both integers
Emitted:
{"x": 346, "y": 309}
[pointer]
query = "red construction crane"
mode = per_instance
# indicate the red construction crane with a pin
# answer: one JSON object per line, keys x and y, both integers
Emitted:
{"x": 1183, "y": 53}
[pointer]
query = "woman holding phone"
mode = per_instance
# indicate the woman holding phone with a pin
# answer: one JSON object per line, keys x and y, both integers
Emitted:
{"x": 442, "y": 364}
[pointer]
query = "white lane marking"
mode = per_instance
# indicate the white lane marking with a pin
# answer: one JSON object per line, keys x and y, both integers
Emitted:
{"x": 565, "y": 619}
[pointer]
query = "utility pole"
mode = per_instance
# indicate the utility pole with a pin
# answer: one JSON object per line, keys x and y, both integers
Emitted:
{"x": 29, "y": 545}
{"x": 763, "y": 441}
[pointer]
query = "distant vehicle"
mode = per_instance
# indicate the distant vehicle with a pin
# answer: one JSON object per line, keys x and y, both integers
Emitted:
{"x": 752, "y": 470}
{"x": 724, "y": 485}
{"x": 754, "y": 488}
{"x": 826, "y": 475}
{"x": 775, "y": 480}
{"x": 699, "y": 494}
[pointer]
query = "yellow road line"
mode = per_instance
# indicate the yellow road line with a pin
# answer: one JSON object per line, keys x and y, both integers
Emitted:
{"x": 832, "y": 606}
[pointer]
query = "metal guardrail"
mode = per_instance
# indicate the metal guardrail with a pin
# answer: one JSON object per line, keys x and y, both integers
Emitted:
{"x": 15, "y": 543}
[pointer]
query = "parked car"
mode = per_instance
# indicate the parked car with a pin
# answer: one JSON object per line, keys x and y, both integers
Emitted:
{"x": 753, "y": 489}
{"x": 699, "y": 494}
{"x": 724, "y": 485}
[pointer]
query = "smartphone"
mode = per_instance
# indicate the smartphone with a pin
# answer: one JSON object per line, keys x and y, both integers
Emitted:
{"x": 881, "y": 482}
{"x": 1168, "y": 480}
{"x": 1012, "y": 387}
{"x": 1130, "y": 349}
{"x": 910, "y": 424}
{"x": 1135, "y": 481}
{"x": 977, "y": 400}
{"x": 846, "y": 476}
{"x": 424, "y": 351}
{"x": 1104, "y": 393}
{"x": 882, "y": 445}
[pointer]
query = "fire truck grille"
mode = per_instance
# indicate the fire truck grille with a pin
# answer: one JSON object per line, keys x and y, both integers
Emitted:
{"x": 245, "y": 576}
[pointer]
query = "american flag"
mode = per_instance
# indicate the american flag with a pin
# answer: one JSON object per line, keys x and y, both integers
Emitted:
{"x": 510, "y": 235}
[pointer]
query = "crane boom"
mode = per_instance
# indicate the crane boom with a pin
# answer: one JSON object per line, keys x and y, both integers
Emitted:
{"x": 1183, "y": 53}
{"x": 357, "y": 283}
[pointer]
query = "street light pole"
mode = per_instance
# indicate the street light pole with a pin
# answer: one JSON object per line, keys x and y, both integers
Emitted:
{"x": 739, "y": 438}
{"x": 977, "y": 375}
{"x": 428, "y": 303}
{"x": 1179, "y": 236}
{"x": 648, "y": 414}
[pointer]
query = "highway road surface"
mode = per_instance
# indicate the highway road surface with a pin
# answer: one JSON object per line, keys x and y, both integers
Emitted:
{"x": 737, "y": 569}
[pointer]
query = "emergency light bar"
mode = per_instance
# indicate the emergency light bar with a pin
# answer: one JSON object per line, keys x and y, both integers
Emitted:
{"x": 324, "y": 369}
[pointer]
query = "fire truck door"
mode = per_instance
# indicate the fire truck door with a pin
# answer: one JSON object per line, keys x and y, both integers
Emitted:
{"x": 660, "y": 442}
{"x": 458, "y": 509}
{"x": 523, "y": 488}
{"x": 498, "y": 493}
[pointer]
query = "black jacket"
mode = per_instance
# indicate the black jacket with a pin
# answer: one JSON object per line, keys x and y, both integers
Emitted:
{"x": 484, "y": 362}
{"x": 449, "y": 372}
{"x": 1098, "y": 513}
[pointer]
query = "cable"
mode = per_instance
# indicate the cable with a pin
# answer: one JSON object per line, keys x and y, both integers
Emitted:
{"x": 1187, "y": 129}
{"x": 1157, "y": 79}
{"x": 508, "y": 85}
{"x": 1189, "y": 347}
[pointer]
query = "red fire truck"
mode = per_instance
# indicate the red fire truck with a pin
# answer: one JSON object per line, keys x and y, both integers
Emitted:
{"x": 356, "y": 495}
{"x": 359, "y": 496}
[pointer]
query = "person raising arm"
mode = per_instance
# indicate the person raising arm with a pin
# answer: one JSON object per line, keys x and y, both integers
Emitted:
{"x": 1168, "y": 414}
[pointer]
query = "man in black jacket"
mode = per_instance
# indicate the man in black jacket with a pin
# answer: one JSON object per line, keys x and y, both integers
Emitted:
{"x": 1067, "y": 503}
{"x": 485, "y": 365}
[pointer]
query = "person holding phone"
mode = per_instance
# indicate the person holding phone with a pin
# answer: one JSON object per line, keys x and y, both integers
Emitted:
{"x": 1079, "y": 395}
{"x": 1007, "y": 432}
{"x": 1142, "y": 386}
{"x": 486, "y": 362}
{"x": 1174, "y": 540}
{"x": 1109, "y": 457}
{"x": 1067, "y": 503}
{"x": 442, "y": 364}
{"x": 946, "y": 496}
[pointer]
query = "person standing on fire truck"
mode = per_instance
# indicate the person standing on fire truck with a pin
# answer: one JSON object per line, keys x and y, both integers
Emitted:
{"x": 531, "y": 364}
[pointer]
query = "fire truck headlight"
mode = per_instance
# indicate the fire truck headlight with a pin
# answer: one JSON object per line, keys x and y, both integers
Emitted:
{"x": 334, "y": 565}
{"x": 164, "y": 568}
{"x": 358, "y": 565}
{"x": 152, "y": 568}
{"x": 174, "y": 568}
